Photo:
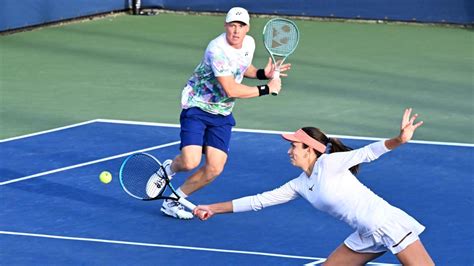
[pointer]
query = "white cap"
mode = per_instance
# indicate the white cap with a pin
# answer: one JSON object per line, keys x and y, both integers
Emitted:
{"x": 238, "y": 14}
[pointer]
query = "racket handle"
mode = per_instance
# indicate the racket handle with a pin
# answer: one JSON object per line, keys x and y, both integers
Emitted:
{"x": 187, "y": 203}
{"x": 276, "y": 75}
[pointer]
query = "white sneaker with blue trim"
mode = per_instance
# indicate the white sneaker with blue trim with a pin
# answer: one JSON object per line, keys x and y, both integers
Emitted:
{"x": 175, "y": 209}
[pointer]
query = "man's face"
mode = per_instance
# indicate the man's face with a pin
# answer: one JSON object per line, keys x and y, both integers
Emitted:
{"x": 235, "y": 33}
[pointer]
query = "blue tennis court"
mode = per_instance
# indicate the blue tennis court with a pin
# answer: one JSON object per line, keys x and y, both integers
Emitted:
{"x": 56, "y": 211}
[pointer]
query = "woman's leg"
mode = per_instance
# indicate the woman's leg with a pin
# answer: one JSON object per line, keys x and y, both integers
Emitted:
{"x": 345, "y": 256}
{"x": 415, "y": 254}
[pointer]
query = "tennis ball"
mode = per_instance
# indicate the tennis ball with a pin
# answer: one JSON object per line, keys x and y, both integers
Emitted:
{"x": 105, "y": 177}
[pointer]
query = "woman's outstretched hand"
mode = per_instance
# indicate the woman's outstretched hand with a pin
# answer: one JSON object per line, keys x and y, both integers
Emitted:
{"x": 407, "y": 128}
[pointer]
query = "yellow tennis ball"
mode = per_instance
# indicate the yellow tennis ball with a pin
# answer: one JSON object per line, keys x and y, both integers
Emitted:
{"x": 105, "y": 177}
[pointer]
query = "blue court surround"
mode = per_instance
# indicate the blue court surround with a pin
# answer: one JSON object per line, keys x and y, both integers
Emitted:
{"x": 433, "y": 183}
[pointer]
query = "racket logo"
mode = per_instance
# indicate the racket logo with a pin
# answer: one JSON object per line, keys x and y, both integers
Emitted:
{"x": 281, "y": 35}
{"x": 158, "y": 185}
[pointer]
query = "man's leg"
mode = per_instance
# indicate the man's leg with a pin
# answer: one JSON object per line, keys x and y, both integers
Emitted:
{"x": 188, "y": 160}
{"x": 215, "y": 162}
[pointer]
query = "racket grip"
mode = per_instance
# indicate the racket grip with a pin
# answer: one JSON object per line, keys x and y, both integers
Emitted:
{"x": 187, "y": 203}
{"x": 276, "y": 75}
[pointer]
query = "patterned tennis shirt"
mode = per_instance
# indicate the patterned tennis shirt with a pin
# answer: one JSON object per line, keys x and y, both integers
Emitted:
{"x": 220, "y": 59}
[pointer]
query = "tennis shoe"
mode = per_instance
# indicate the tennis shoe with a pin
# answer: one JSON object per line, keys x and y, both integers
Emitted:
{"x": 175, "y": 209}
{"x": 155, "y": 185}
{"x": 167, "y": 166}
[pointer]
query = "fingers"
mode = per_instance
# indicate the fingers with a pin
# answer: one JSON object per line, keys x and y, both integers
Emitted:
{"x": 408, "y": 127}
{"x": 413, "y": 118}
{"x": 269, "y": 61}
{"x": 285, "y": 67}
{"x": 202, "y": 212}
{"x": 406, "y": 117}
{"x": 418, "y": 124}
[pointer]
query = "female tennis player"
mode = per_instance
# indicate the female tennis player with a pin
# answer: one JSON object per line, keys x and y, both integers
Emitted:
{"x": 207, "y": 102}
{"x": 329, "y": 184}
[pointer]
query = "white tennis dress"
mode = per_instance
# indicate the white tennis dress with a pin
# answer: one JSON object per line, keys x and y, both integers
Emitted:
{"x": 332, "y": 188}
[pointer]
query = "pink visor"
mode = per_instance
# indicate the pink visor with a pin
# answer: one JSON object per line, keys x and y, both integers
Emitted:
{"x": 301, "y": 136}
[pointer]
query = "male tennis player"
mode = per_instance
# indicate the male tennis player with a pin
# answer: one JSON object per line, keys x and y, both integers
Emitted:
{"x": 207, "y": 101}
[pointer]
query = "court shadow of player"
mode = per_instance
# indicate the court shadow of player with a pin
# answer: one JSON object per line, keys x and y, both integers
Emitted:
{"x": 55, "y": 194}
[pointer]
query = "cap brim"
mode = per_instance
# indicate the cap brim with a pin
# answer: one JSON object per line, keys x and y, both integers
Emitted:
{"x": 290, "y": 137}
{"x": 246, "y": 23}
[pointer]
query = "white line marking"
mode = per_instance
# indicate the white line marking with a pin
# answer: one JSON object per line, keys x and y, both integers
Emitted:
{"x": 87, "y": 163}
{"x": 385, "y": 264}
{"x": 177, "y": 126}
{"x": 316, "y": 262}
{"x": 48, "y": 131}
{"x": 158, "y": 245}
{"x": 282, "y": 132}
{"x": 115, "y": 121}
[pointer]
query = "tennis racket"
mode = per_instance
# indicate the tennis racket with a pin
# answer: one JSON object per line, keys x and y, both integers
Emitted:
{"x": 281, "y": 37}
{"x": 143, "y": 177}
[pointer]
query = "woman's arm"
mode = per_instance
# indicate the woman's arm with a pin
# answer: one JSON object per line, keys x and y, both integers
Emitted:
{"x": 257, "y": 202}
{"x": 344, "y": 160}
{"x": 205, "y": 212}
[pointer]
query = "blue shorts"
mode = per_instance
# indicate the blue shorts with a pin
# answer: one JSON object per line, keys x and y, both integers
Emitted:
{"x": 205, "y": 129}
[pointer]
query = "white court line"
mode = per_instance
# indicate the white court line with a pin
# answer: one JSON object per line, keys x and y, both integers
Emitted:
{"x": 318, "y": 262}
{"x": 176, "y": 126}
{"x": 262, "y": 131}
{"x": 115, "y": 121}
{"x": 87, "y": 163}
{"x": 171, "y": 246}
{"x": 48, "y": 131}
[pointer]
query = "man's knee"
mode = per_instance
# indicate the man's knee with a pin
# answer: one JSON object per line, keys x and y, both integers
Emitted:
{"x": 188, "y": 163}
{"x": 212, "y": 171}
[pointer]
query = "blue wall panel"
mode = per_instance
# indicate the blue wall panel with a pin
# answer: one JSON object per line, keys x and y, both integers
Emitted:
{"x": 431, "y": 11}
{"x": 23, "y": 13}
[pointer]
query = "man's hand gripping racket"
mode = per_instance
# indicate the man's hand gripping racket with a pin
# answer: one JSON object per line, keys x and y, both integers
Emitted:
{"x": 281, "y": 37}
{"x": 143, "y": 177}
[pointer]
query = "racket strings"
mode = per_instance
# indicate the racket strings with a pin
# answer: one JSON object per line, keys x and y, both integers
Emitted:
{"x": 140, "y": 177}
{"x": 281, "y": 37}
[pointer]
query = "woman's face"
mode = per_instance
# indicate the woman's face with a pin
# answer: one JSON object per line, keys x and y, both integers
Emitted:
{"x": 298, "y": 154}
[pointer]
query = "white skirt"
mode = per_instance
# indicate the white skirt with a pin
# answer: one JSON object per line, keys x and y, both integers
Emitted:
{"x": 397, "y": 232}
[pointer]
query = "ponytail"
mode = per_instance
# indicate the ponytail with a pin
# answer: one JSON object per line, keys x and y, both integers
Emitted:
{"x": 332, "y": 144}
{"x": 335, "y": 145}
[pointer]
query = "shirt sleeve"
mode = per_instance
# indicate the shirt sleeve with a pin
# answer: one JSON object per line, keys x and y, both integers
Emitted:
{"x": 218, "y": 61}
{"x": 257, "y": 202}
{"x": 344, "y": 160}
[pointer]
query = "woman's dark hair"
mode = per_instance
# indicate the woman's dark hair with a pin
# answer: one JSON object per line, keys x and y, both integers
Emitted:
{"x": 333, "y": 144}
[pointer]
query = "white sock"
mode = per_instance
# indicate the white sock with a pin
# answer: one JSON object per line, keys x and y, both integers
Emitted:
{"x": 169, "y": 171}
